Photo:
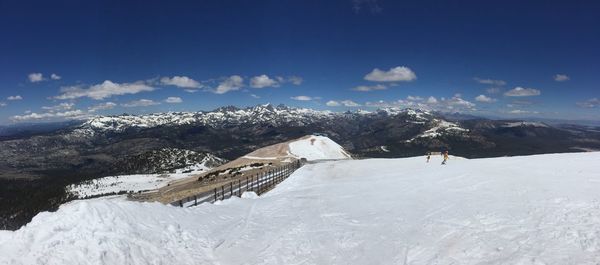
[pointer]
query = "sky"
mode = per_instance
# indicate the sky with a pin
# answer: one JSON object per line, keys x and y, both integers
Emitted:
{"x": 63, "y": 60}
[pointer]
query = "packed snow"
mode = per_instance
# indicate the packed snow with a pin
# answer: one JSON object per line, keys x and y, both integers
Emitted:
{"x": 317, "y": 148}
{"x": 542, "y": 209}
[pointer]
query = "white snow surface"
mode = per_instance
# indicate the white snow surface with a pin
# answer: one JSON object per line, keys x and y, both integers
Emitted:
{"x": 132, "y": 183}
{"x": 542, "y": 209}
{"x": 317, "y": 148}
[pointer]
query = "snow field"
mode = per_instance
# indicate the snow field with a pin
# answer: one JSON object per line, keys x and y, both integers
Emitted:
{"x": 132, "y": 183}
{"x": 317, "y": 148}
{"x": 516, "y": 210}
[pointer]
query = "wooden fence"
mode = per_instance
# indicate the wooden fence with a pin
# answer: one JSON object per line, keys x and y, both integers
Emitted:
{"x": 259, "y": 183}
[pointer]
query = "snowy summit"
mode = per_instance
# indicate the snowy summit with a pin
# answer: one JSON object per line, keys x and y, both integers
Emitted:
{"x": 317, "y": 148}
{"x": 515, "y": 210}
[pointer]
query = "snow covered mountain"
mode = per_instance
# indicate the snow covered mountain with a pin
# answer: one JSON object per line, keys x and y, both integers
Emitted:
{"x": 510, "y": 210}
{"x": 167, "y": 160}
{"x": 111, "y": 145}
{"x": 221, "y": 117}
{"x": 317, "y": 148}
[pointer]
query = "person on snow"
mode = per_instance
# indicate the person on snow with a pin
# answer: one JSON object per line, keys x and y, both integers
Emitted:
{"x": 445, "y": 157}
{"x": 428, "y": 156}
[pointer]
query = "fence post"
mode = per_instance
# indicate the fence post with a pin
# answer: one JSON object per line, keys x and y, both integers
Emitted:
{"x": 258, "y": 183}
{"x": 239, "y": 189}
{"x": 195, "y": 200}
{"x": 223, "y": 192}
{"x": 215, "y": 195}
{"x": 230, "y": 189}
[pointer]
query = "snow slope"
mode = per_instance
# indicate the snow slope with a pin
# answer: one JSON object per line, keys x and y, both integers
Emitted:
{"x": 541, "y": 209}
{"x": 133, "y": 183}
{"x": 317, "y": 148}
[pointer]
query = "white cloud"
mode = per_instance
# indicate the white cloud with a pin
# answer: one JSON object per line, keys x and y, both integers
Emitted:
{"x": 190, "y": 90}
{"x": 55, "y": 77}
{"x": 349, "y": 103}
{"x": 296, "y": 80}
{"x": 396, "y": 74}
{"x": 254, "y": 96}
{"x": 590, "y": 103}
{"x": 17, "y": 97}
{"x": 140, "y": 103}
{"x": 62, "y": 106}
{"x": 370, "y": 5}
{"x": 263, "y": 81}
{"x": 302, "y": 98}
{"x": 490, "y": 81}
{"x": 232, "y": 83}
{"x": 401, "y": 103}
{"x": 561, "y": 77}
{"x": 484, "y": 98}
{"x": 369, "y": 88}
{"x": 35, "y": 77}
{"x": 458, "y": 102}
{"x": 102, "y": 106}
{"x": 173, "y": 100}
{"x": 518, "y": 111}
{"x": 104, "y": 90}
{"x": 432, "y": 100}
{"x": 414, "y": 98}
{"x": 333, "y": 103}
{"x": 455, "y": 103}
{"x": 493, "y": 90}
{"x": 180, "y": 81}
{"x": 522, "y": 92}
{"x": 71, "y": 114}
{"x": 2, "y": 104}
{"x": 345, "y": 103}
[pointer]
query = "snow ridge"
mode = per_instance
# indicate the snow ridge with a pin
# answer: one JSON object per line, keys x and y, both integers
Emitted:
{"x": 231, "y": 116}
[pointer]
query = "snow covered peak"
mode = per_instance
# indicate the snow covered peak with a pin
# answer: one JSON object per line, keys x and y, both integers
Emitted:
{"x": 231, "y": 115}
{"x": 317, "y": 148}
{"x": 441, "y": 127}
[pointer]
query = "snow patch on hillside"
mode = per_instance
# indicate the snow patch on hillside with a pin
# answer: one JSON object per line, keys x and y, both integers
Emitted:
{"x": 132, "y": 183}
{"x": 317, "y": 148}
{"x": 441, "y": 127}
{"x": 542, "y": 209}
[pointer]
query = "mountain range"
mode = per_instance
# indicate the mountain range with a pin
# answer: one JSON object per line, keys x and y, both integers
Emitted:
{"x": 45, "y": 159}
{"x": 104, "y": 145}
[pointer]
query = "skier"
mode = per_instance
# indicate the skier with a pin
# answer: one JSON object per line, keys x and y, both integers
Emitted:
{"x": 428, "y": 156}
{"x": 445, "y": 157}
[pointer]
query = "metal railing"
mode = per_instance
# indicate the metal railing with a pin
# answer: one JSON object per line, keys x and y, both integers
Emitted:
{"x": 259, "y": 183}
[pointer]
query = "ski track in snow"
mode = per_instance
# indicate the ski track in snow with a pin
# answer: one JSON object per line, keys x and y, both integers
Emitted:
{"x": 519, "y": 210}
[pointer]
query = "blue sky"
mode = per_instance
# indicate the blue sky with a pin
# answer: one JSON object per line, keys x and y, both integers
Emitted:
{"x": 70, "y": 59}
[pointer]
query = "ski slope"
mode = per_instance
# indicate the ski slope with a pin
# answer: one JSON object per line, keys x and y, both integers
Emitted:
{"x": 541, "y": 209}
{"x": 317, "y": 148}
